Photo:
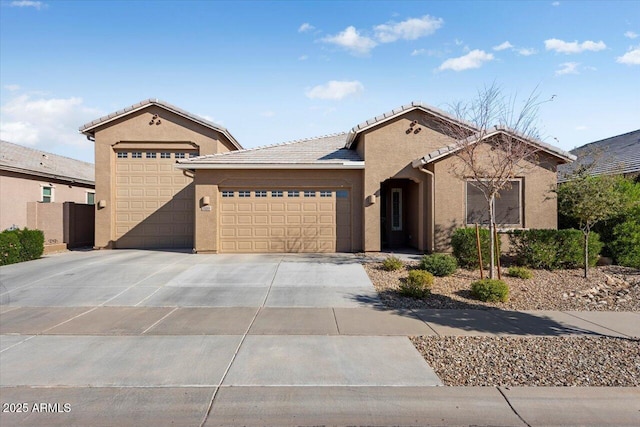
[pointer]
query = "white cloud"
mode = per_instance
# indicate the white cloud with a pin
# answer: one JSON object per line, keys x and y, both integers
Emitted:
{"x": 352, "y": 41}
{"x": 335, "y": 90}
{"x": 555, "y": 4}
{"x": 12, "y": 88}
{"x": 45, "y": 122}
{"x": 561, "y": 46}
{"x": 568, "y": 68}
{"x": 268, "y": 113}
{"x": 473, "y": 59}
{"x": 632, "y": 57}
{"x": 429, "y": 52}
{"x": 410, "y": 29}
{"x": 630, "y": 35}
{"x": 28, "y": 3}
{"x": 303, "y": 57}
{"x": 503, "y": 46}
{"x": 526, "y": 51}
{"x": 305, "y": 27}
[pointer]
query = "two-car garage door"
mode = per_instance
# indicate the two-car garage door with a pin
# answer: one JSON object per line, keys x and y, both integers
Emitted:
{"x": 274, "y": 220}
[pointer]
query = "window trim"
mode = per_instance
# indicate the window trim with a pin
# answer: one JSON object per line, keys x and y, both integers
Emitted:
{"x": 51, "y": 196}
{"x": 395, "y": 227}
{"x": 520, "y": 180}
{"x": 260, "y": 193}
{"x": 87, "y": 197}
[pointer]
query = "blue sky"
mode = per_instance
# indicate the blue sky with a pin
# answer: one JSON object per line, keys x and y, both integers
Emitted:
{"x": 278, "y": 71}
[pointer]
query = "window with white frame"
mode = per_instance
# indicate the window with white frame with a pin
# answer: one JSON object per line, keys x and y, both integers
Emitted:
{"x": 261, "y": 193}
{"x": 276, "y": 193}
{"x": 123, "y": 154}
{"x": 244, "y": 193}
{"x": 165, "y": 155}
{"x": 325, "y": 194}
{"x": 180, "y": 155}
{"x": 150, "y": 155}
{"x": 309, "y": 194}
{"x": 47, "y": 194}
{"x": 507, "y": 205}
{"x": 293, "y": 193}
{"x": 396, "y": 209}
{"x": 193, "y": 154}
{"x": 91, "y": 198}
{"x": 227, "y": 193}
{"x": 136, "y": 155}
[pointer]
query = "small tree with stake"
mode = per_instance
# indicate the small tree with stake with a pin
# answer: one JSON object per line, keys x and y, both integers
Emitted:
{"x": 509, "y": 132}
{"x": 588, "y": 200}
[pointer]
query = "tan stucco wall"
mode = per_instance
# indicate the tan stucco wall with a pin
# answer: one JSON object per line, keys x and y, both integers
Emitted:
{"x": 135, "y": 130}
{"x": 48, "y": 217}
{"x": 388, "y": 152}
{"x": 540, "y": 209}
{"x": 16, "y": 190}
{"x": 208, "y": 183}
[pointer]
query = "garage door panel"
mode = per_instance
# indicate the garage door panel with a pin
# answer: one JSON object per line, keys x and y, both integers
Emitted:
{"x": 283, "y": 224}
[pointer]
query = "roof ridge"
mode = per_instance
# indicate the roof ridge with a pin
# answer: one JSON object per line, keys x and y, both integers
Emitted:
{"x": 605, "y": 139}
{"x": 45, "y": 152}
{"x": 262, "y": 147}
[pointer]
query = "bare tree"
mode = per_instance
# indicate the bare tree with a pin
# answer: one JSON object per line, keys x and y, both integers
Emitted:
{"x": 502, "y": 148}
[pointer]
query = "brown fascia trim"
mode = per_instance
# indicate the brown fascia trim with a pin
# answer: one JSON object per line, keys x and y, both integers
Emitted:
{"x": 294, "y": 166}
{"x": 155, "y": 145}
{"x": 65, "y": 179}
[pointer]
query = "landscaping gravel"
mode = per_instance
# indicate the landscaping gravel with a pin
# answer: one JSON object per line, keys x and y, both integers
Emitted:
{"x": 609, "y": 288}
{"x": 533, "y": 361}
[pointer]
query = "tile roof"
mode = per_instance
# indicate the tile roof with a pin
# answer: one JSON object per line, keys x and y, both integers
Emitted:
{"x": 402, "y": 110}
{"x": 618, "y": 154}
{"x": 326, "y": 150}
{"x": 87, "y": 128}
{"x": 445, "y": 151}
{"x": 16, "y": 158}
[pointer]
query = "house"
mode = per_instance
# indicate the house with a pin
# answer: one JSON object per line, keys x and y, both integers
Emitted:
{"x": 167, "y": 178}
{"x": 616, "y": 155}
{"x": 35, "y": 185}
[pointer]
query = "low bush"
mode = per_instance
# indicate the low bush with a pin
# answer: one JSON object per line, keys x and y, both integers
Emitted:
{"x": 465, "y": 248}
{"x": 392, "y": 263}
{"x": 20, "y": 245}
{"x": 553, "y": 249}
{"x": 439, "y": 264}
{"x": 490, "y": 290}
{"x": 625, "y": 246}
{"x": 417, "y": 285}
{"x": 519, "y": 272}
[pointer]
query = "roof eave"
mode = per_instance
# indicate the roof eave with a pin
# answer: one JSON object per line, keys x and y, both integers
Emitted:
{"x": 68, "y": 179}
{"x": 211, "y": 166}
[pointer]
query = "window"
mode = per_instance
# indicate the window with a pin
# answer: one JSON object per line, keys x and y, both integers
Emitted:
{"x": 507, "y": 207}
{"x": 180, "y": 155}
{"x": 227, "y": 193}
{"x": 396, "y": 209}
{"x": 261, "y": 193}
{"x": 136, "y": 155}
{"x": 342, "y": 194}
{"x": 47, "y": 194}
{"x": 244, "y": 193}
{"x": 293, "y": 193}
{"x": 91, "y": 198}
{"x": 165, "y": 155}
{"x": 325, "y": 194}
{"x": 309, "y": 194}
{"x": 192, "y": 155}
{"x": 276, "y": 193}
{"x": 150, "y": 155}
{"x": 123, "y": 154}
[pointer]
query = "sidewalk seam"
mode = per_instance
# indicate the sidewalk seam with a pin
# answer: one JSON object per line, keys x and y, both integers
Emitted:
{"x": 512, "y": 408}
{"x": 596, "y": 324}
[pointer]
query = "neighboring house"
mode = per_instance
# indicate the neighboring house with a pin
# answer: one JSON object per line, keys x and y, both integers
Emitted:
{"x": 167, "y": 178}
{"x": 28, "y": 175}
{"x": 616, "y": 155}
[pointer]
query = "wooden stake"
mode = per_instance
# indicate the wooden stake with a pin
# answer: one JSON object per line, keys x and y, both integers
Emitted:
{"x": 495, "y": 237}
{"x": 479, "y": 250}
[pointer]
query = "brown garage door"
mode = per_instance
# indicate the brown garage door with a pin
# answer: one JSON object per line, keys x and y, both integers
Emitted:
{"x": 284, "y": 220}
{"x": 154, "y": 201}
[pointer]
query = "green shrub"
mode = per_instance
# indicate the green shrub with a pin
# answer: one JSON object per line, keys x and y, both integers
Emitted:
{"x": 32, "y": 242}
{"x": 10, "y": 247}
{"x": 520, "y": 272}
{"x": 392, "y": 263}
{"x": 20, "y": 245}
{"x": 465, "y": 248}
{"x": 553, "y": 249}
{"x": 439, "y": 264}
{"x": 625, "y": 246}
{"x": 490, "y": 290}
{"x": 417, "y": 285}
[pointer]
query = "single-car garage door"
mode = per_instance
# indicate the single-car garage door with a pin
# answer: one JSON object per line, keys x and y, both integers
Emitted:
{"x": 284, "y": 220}
{"x": 154, "y": 201}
